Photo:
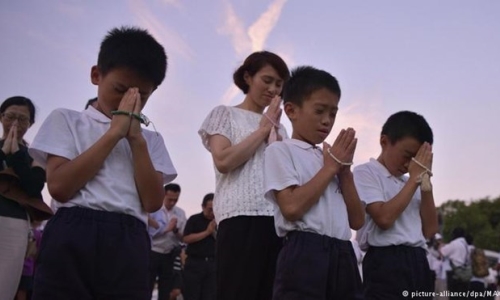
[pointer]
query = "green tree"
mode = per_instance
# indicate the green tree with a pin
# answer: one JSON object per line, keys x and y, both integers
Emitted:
{"x": 479, "y": 218}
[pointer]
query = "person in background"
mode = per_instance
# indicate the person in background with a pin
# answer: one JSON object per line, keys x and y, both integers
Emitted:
{"x": 444, "y": 266}
{"x": 26, "y": 284}
{"x": 458, "y": 253}
{"x": 177, "y": 280}
{"x": 17, "y": 114}
{"x": 199, "y": 271}
{"x": 166, "y": 230}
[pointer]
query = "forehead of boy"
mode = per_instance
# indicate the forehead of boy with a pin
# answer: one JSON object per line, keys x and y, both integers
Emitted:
{"x": 321, "y": 98}
{"x": 123, "y": 78}
{"x": 407, "y": 145}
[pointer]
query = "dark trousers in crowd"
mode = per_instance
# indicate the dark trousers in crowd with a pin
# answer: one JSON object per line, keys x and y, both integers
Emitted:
{"x": 316, "y": 267}
{"x": 389, "y": 272}
{"x": 478, "y": 288}
{"x": 162, "y": 267}
{"x": 247, "y": 250}
{"x": 456, "y": 286}
{"x": 199, "y": 278}
{"x": 91, "y": 254}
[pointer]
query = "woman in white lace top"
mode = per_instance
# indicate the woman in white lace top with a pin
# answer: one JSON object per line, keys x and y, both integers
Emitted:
{"x": 236, "y": 136}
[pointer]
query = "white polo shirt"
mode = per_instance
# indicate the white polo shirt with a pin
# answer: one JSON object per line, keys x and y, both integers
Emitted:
{"x": 293, "y": 162}
{"x": 374, "y": 183}
{"x": 69, "y": 133}
{"x": 456, "y": 251}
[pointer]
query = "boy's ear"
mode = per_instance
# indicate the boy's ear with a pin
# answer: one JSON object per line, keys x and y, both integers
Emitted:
{"x": 290, "y": 111}
{"x": 384, "y": 141}
{"x": 95, "y": 75}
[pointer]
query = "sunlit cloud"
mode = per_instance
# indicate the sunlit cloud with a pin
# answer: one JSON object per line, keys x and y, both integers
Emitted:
{"x": 235, "y": 28}
{"x": 249, "y": 40}
{"x": 229, "y": 95}
{"x": 367, "y": 120}
{"x": 254, "y": 38}
{"x": 168, "y": 38}
{"x": 175, "y": 3}
{"x": 260, "y": 29}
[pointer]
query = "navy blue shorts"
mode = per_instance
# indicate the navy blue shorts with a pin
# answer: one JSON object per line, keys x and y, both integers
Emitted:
{"x": 316, "y": 267}
{"x": 91, "y": 254}
{"x": 390, "y": 271}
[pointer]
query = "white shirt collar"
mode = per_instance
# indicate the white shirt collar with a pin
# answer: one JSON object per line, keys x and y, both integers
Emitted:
{"x": 383, "y": 170}
{"x": 301, "y": 144}
{"x": 96, "y": 115}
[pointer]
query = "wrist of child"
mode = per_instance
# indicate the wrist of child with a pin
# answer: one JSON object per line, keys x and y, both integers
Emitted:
{"x": 345, "y": 173}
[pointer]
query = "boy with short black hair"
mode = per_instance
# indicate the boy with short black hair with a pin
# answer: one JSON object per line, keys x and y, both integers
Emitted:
{"x": 313, "y": 189}
{"x": 106, "y": 173}
{"x": 401, "y": 213}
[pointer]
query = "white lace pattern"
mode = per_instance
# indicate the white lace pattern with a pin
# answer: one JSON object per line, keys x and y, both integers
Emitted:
{"x": 241, "y": 191}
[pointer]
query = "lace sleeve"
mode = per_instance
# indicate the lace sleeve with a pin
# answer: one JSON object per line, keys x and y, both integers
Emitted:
{"x": 217, "y": 122}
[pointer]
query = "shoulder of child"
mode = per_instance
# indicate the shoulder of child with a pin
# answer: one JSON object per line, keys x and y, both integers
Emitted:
{"x": 66, "y": 112}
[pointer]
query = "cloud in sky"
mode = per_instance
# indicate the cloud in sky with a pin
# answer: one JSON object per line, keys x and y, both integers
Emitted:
{"x": 157, "y": 28}
{"x": 254, "y": 38}
{"x": 367, "y": 120}
{"x": 235, "y": 28}
{"x": 230, "y": 94}
{"x": 260, "y": 29}
{"x": 249, "y": 40}
{"x": 175, "y": 3}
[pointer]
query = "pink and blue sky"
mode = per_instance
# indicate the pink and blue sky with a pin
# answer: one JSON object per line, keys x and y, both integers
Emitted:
{"x": 438, "y": 58}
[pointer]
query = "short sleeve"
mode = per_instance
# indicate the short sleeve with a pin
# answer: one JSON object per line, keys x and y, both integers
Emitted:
{"x": 190, "y": 226}
{"x": 160, "y": 157}
{"x": 159, "y": 217}
{"x": 367, "y": 185}
{"x": 279, "y": 170}
{"x": 218, "y": 121}
{"x": 54, "y": 137}
{"x": 447, "y": 249}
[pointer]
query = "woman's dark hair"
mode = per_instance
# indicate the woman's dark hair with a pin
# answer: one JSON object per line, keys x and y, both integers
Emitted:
{"x": 21, "y": 101}
{"x": 256, "y": 61}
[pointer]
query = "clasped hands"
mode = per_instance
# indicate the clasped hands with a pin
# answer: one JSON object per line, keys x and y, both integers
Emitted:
{"x": 340, "y": 155}
{"x": 420, "y": 167}
{"x": 11, "y": 143}
{"x": 126, "y": 120}
{"x": 271, "y": 120}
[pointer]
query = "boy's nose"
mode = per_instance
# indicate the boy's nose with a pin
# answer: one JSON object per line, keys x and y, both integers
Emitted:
{"x": 326, "y": 121}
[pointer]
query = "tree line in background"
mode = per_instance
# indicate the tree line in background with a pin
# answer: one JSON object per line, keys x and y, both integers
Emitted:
{"x": 479, "y": 218}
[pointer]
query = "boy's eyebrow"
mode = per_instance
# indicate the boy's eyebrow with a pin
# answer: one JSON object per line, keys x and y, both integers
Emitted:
{"x": 409, "y": 153}
{"x": 122, "y": 86}
{"x": 319, "y": 105}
